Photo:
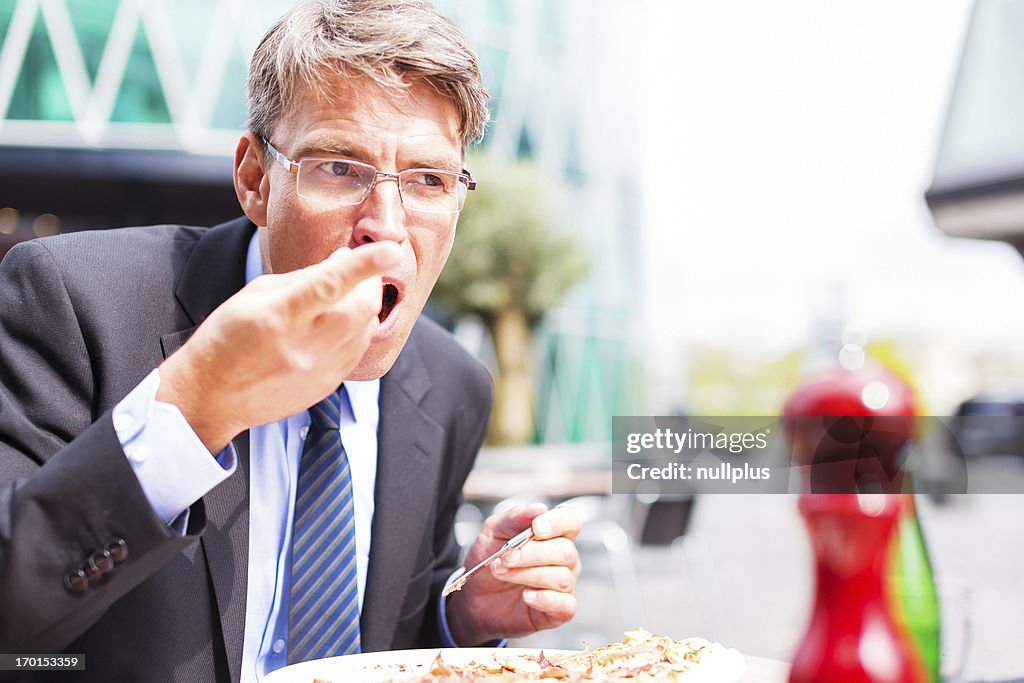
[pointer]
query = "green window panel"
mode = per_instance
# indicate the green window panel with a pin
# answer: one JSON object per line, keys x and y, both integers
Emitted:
{"x": 231, "y": 105}
{"x": 524, "y": 147}
{"x": 141, "y": 99}
{"x": 6, "y": 12}
{"x": 39, "y": 92}
{"x": 583, "y": 381}
{"x": 91, "y": 20}
{"x": 546, "y": 420}
{"x": 566, "y": 368}
{"x": 184, "y": 17}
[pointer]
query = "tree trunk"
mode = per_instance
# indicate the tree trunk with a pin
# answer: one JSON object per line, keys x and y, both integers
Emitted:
{"x": 512, "y": 418}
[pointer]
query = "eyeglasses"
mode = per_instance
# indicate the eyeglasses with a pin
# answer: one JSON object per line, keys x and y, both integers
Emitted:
{"x": 343, "y": 182}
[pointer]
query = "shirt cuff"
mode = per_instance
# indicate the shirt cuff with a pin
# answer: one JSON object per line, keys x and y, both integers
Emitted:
{"x": 173, "y": 466}
{"x": 442, "y": 617}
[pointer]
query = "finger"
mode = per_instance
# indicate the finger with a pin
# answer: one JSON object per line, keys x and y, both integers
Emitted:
{"x": 553, "y": 552}
{"x": 560, "y": 579}
{"x": 558, "y": 607}
{"x": 513, "y": 521}
{"x": 561, "y": 521}
{"x": 321, "y": 284}
{"x": 356, "y": 307}
{"x": 341, "y": 333}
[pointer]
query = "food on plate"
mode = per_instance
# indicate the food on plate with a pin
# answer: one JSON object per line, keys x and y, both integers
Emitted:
{"x": 641, "y": 657}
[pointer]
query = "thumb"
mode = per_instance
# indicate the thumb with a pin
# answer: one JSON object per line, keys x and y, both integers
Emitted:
{"x": 514, "y": 520}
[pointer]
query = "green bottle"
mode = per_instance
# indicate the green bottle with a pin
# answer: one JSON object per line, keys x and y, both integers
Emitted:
{"x": 917, "y": 602}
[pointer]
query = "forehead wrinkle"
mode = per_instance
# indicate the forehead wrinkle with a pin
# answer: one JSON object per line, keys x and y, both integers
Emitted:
{"x": 328, "y": 145}
{"x": 348, "y": 121}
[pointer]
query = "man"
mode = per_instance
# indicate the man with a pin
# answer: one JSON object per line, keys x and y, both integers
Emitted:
{"x": 168, "y": 385}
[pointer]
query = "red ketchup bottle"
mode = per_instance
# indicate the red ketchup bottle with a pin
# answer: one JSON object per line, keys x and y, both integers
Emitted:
{"x": 852, "y": 636}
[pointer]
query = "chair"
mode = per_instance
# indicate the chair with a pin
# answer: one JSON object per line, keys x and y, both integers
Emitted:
{"x": 600, "y": 531}
{"x": 468, "y": 521}
{"x": 663, "y": 520}
{"x": 651, "y": 521}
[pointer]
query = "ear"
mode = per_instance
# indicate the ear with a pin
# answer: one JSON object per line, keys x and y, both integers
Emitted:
{"x": 252, "y": 182}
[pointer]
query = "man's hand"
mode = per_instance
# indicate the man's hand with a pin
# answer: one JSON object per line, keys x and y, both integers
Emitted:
{"x": 279, "y": 345}
{"x": 528, "y": 590}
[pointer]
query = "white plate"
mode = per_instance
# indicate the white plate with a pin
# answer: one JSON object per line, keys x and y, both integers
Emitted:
{"x": 374, "y": 667}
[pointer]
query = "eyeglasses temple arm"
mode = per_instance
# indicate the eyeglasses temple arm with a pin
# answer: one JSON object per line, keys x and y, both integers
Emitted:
{"x": 290, "y": 165}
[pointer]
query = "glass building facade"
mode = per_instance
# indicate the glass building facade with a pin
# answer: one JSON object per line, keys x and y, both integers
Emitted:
{"x": 118, "y": 112}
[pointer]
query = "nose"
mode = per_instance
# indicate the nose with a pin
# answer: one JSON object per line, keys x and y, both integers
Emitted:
{"x": 381, "y": 215}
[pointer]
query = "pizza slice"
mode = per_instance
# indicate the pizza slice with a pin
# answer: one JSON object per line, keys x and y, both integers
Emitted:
{"x": 641, "y": 657}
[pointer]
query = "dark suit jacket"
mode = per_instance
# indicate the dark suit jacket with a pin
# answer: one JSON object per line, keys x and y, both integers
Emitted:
{"x": 83, "y": 318}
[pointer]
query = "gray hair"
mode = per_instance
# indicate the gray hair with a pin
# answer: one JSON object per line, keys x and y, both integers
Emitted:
{"x": 391, "y": 42}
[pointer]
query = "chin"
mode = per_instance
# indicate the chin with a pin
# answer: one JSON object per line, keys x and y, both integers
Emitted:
{"x": 397, "y": 317}
{"x": 377, "y": 360}
{"x": 364, "y": 372}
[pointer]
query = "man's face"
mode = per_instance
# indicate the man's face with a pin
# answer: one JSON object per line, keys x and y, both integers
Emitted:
{"x": 393, "y": 131}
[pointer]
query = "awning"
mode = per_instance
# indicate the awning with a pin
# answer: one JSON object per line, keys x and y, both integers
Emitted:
{"x": 978, "y": 186}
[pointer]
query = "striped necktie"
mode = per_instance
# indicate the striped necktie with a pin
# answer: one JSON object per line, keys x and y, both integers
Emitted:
{"x": 323, "y": 616}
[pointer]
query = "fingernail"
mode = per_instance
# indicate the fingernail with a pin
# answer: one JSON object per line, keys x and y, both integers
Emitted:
{"x": 499, "y": 566}
{"x": 512, "y": 558}
{"x": 529, "y": 594}
{"x": 541, "y": 528}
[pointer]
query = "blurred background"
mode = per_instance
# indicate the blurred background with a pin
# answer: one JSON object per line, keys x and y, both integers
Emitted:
{"x": 685, "y": 208}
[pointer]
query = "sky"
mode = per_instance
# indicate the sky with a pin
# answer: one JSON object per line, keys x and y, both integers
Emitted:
{"x": 787, "y": 149}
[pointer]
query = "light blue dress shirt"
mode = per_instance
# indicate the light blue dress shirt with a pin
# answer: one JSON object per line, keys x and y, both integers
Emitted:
{"x": 175, "y": 470}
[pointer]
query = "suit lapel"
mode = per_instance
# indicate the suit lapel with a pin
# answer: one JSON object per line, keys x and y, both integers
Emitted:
{"x": 215, "y": 271}
{"x": 409, "y": 444}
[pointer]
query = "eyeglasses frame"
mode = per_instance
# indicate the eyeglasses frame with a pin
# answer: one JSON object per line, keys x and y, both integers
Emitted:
{"x": 293, "y": 167}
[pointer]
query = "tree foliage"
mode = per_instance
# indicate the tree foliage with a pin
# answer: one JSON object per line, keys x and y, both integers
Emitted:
{"x": 511, "y": 249}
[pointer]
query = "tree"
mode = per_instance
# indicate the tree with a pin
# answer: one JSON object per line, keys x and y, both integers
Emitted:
{"x": 511, "y": 263}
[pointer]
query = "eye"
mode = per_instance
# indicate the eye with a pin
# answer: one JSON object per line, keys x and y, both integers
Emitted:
{"x": 426, "y": 179}
{"x": 338, "y": 168}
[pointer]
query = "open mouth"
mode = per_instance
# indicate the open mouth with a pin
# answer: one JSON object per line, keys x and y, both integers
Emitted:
{"x": 389, "y": 297}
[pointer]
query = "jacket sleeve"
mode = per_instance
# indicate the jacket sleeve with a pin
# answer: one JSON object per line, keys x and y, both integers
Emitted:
{"x": 76, "y": 530}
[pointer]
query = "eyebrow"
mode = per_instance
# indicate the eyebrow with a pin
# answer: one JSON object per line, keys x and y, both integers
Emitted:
{"x": 438, "y": 163}
{"x": 317, "y": 147}
{"x": 325, "y": 146}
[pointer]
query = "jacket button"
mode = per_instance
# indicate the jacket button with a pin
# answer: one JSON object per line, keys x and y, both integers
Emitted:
{"x": 76, "y": 581}
{"x": 102, "y": 560}
{"x": 92, "y": 572}
{"x": 97, "y": 565}
{"x": 118, "y": 550}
